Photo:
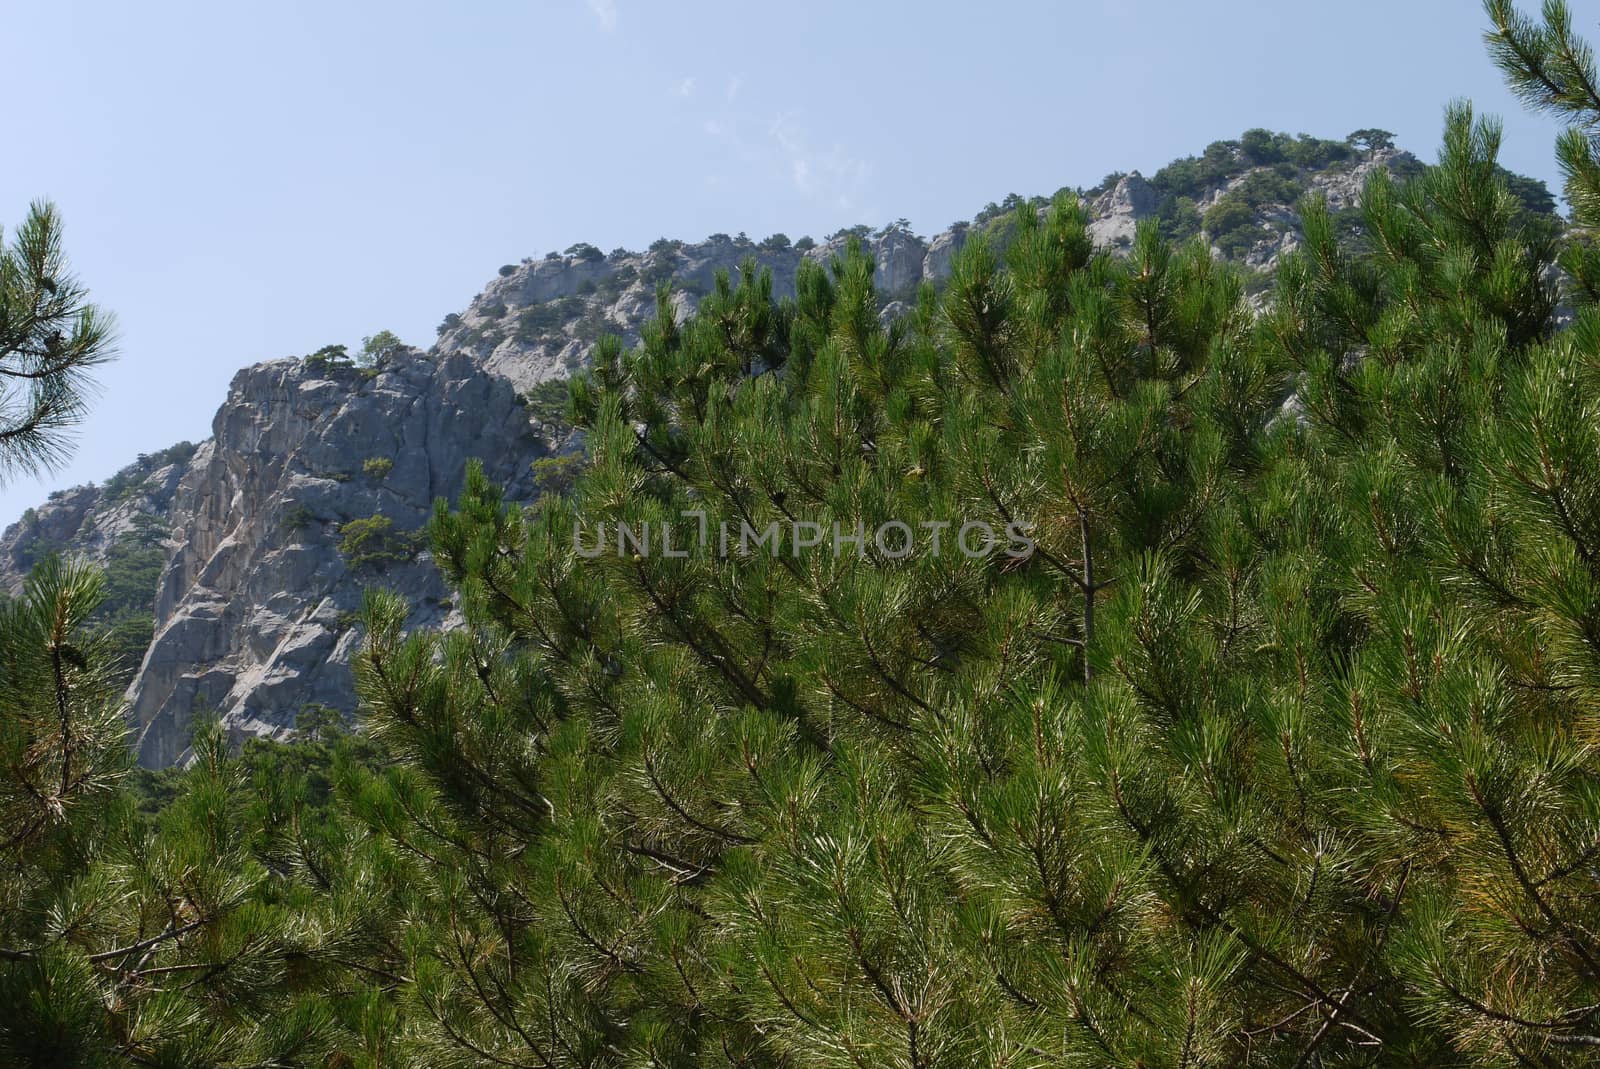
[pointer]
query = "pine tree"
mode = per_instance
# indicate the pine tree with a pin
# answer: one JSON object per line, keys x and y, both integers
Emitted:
{"x": 782, "y": 807}
{"x": 51, "y": 338}
{"x": 1274, "y": 750}
{"x": 123, "y": 943}
{"x": 1259, "y": 730}
{"x": 201, "y": 938}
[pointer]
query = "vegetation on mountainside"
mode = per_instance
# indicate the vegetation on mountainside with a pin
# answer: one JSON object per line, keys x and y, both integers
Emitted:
{"x": 371, "y": 543}
{"x": 376, "y": 348}
{"x": 1277, "y": 749}
{"x": 132, "y": 570}
{"x": 1132, "y": 801}
{"x": 1248, "y": 186}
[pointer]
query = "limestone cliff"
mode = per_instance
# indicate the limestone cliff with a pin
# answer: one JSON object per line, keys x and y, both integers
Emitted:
{"x": 255, "y": 610}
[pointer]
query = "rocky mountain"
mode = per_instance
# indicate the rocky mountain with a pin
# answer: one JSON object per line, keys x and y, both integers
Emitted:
{"x": 320, "y": 475}
{"x": 314, "y": 485}
{"x": 539, "y": 318}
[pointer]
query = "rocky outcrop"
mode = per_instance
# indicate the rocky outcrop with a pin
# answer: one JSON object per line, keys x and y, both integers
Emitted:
{"x": 940, "y": 258}
{"x": 88, "y": 521}
{"x": 539, "y": 319}
{"x": 1343, "y": 187}
{"x": 1115, "y": 214}
{"x": 255, "y": 614}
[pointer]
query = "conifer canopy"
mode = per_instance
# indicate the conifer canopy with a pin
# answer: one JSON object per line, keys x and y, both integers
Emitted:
{"x": 1276, "y": 748}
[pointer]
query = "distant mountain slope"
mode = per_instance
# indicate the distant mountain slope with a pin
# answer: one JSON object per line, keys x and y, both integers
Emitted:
{"x": 319, "y": 476}
{"x": 539, "y": 318}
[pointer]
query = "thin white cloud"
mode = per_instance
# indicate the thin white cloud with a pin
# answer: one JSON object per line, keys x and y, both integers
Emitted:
{"x": 685, "y": 88}
{"x": 781, "y": 149}
{"x": 605, "y": 11}
{"x": 735, "y": 83}
{"x": 832, "y": 174}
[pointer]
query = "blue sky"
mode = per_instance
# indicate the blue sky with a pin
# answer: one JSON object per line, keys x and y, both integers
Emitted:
{"x": 242, "y": 181}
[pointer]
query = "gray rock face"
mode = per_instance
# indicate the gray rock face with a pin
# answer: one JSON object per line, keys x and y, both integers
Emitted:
{"x": 940, "y": 257}
{"x": 87, "y": 521}
{"x": 1115, "y": 214}
{"x": 254, "y": 615}
{"x": 540, "y": 321}
{"x": 1343, "y": 188}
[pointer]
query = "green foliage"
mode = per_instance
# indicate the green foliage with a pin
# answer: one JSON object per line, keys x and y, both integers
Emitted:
{"x": 296, "y": 518}
{"x": 321, "y": 742}
{"x": 1179, "y": 219}
{"x": 1106, "y": 184}
{"x": 547, "y": 401}
{"x": 1223, "y": 161}
{"x": 1259, "y": 738}
{"x": 371, "y": 543}
{"x": 725, "y": 809}
{"x": 125, "y": 484}
{"x": 1531, "y": 194}
{"x": 557, "y": 474}
{"x": 377, "y": 468}
{"x": 546, "y": 319}
{"x": 1554, "y": 71}
{"x": 179, "y": 453}
{"x": 126, "y": 614}
{"x": 585, "y": 252}
{"x": 168, "y": 937}
{"x": 1371, "y": 140}
{"x": 1276, "y": 749}
{"x": 32, "y": 547}
{"x": 1231, "y": 222}
{"x": 592, "y": 325}
{"x": 658, "y": 270}
{"x": 51, "y": 340}
{"x": 329, "y": 358}
{"x": 132, "y": 567}
{"x": 611, "y": 286}
{"x": 1005, "y": 209}
{"x": 376, "y": 348}
{"x": 1261, "y": 148}
{"x": 128, "y": 637}
{"x": 135, "y": 479}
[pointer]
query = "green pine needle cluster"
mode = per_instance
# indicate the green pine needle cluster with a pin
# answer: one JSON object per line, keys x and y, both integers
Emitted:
{"x": 51, "y": 340}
